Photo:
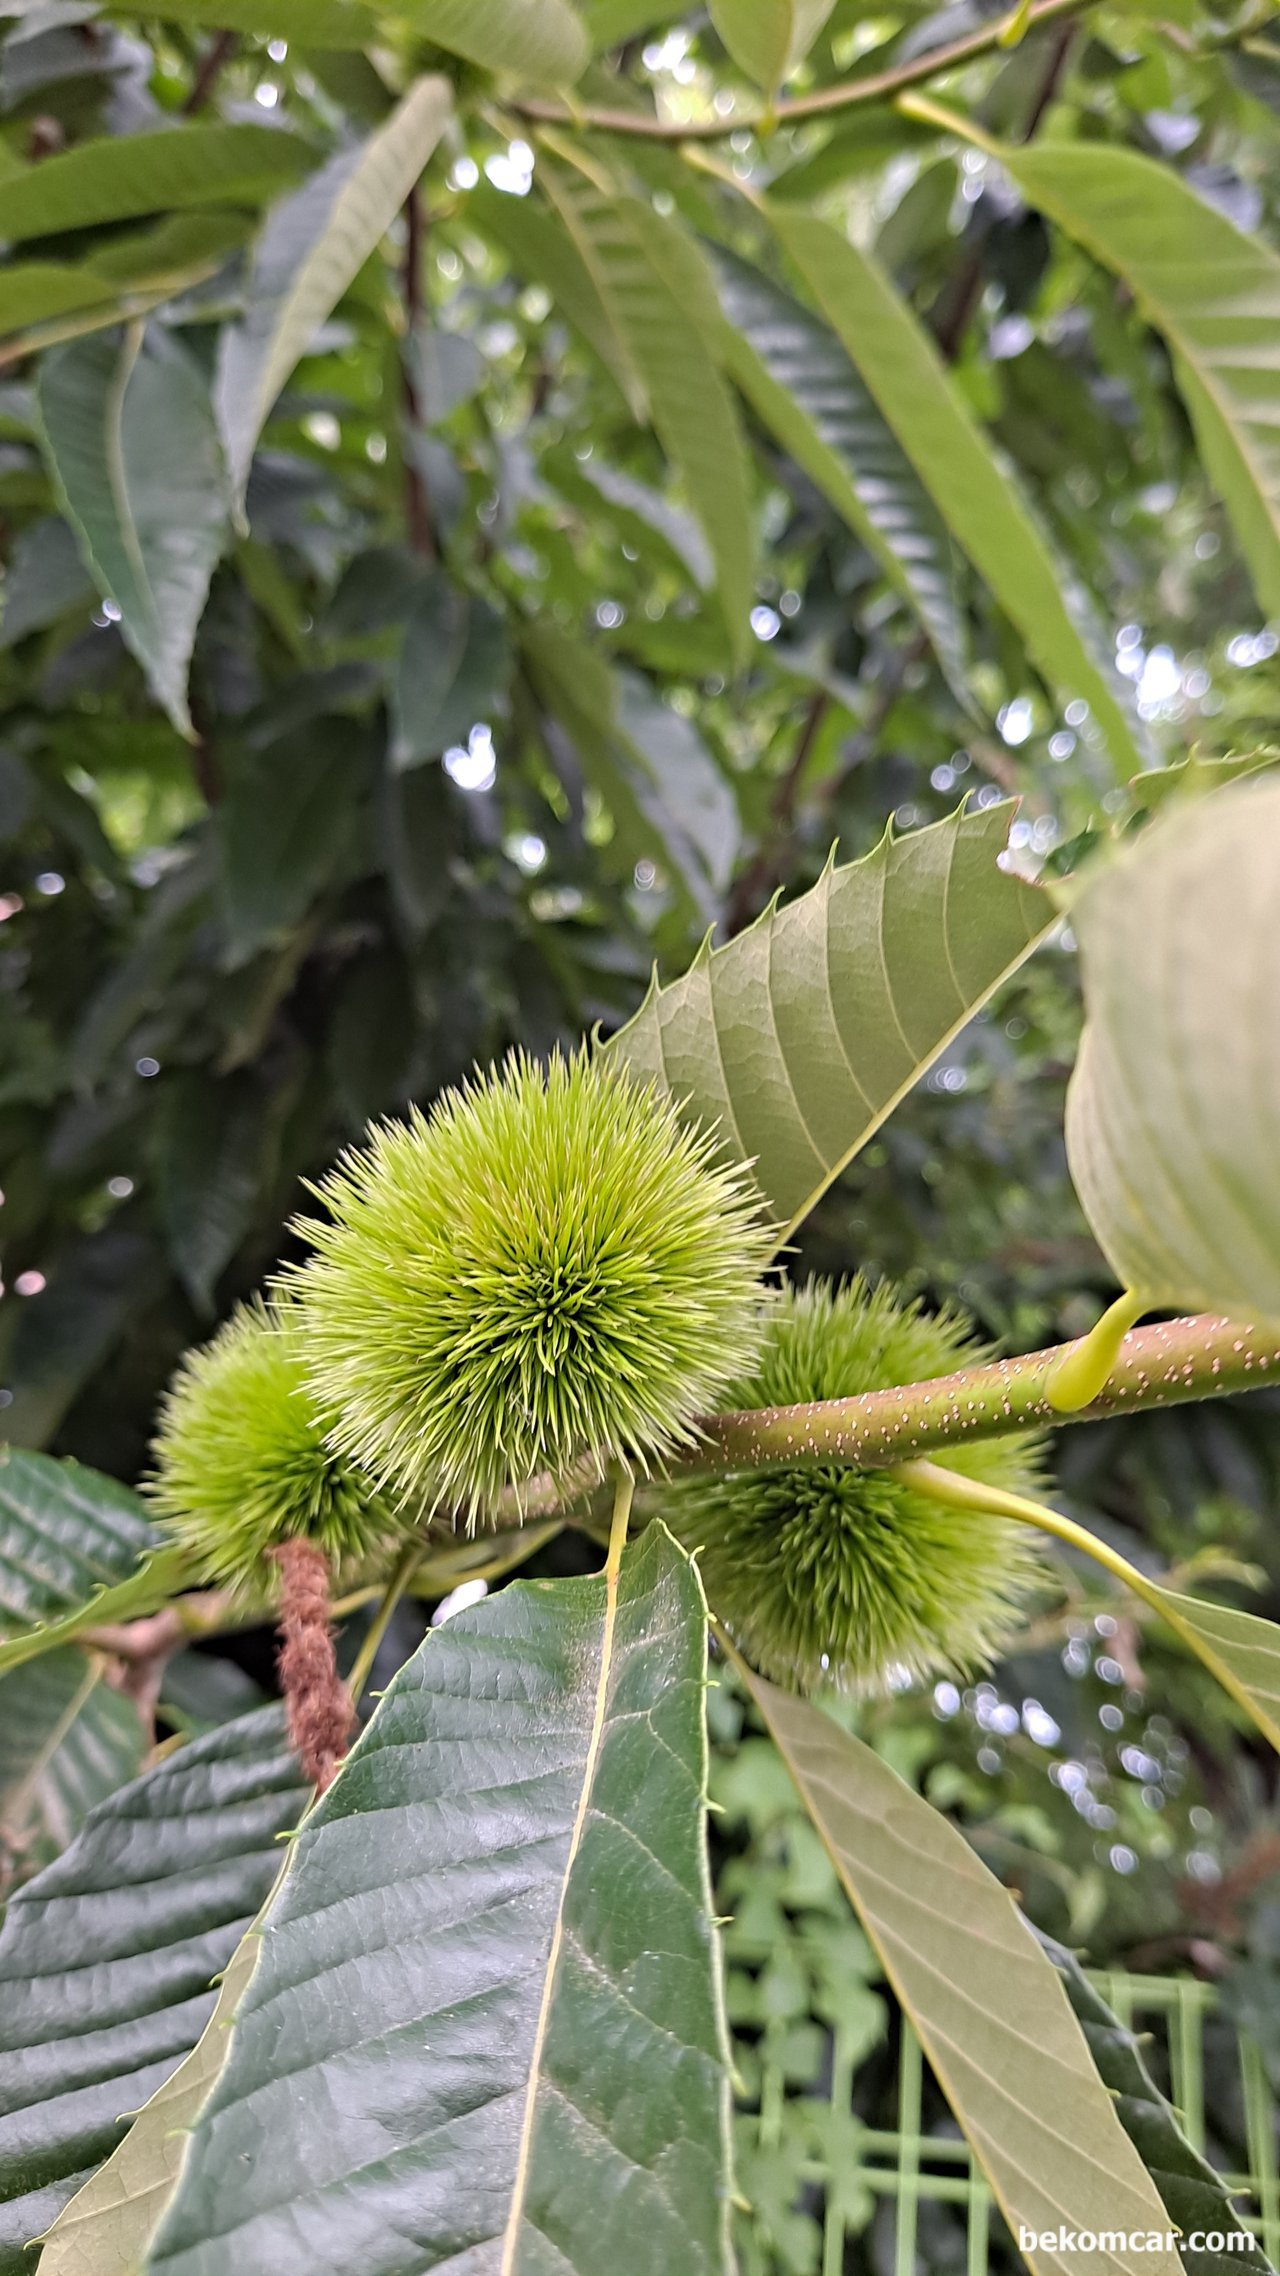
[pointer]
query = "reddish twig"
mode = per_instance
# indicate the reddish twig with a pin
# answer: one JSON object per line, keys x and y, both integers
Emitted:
{"x": 417, "y": 505}
{"x": 762, "y": 873}
{"x": 218, "y": 52}
{"x": 317, "y": 1702}
{"x": 873, "y": 87}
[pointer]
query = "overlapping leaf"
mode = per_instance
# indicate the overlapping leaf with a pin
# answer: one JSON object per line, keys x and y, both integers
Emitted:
{"x": 75, "y": 1547}
{"x": 108, "y": 1960}
{"x": 532, "y": 39}
{"x": 1242, "y": 1650}
{"x": 661, "y": 310}
{"x": 66, "y": 1741}
{"x": 768, "y": 38}
{"x": 797, "y": 1039}
{"x": 1211, "y": 289}
{"x": 975, "y": 496}
{"x": 500, "y": 1913}
{"x": 124, "y": 175}
{"x": 450, "y": 672}
{"x": 985, "y": 1999}
{"x": 538, "y": 248}
{"x": 668, "y": 798}
{"x": 312, "y": 246}
{"x": 797, "y": 376}
{"x": 133, "y": 449}
{"x": 1196, "y": 2197}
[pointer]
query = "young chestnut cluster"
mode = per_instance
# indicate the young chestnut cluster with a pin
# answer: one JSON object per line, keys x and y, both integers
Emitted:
{"x": 548, "y": 1277}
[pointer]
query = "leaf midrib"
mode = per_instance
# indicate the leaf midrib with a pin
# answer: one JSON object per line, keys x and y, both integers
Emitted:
{"x": 524, "y": 2158}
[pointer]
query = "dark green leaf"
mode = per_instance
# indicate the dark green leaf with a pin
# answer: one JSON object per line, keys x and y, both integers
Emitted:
{"x": 75, "y": 1547}
{"x": 31, "y": 292}
{"x": 768, "y": 38}
{"x": 66, "y": 1741}
{"x": 155, "y": 1893}
{"x": 502, "y": 1906}
{"x": 46, "y": 577}
{"x": 667, "y": 797}
{"x": 1195, "y": 2196}
{"x": 450, "y": 675}
{"x": 132, "y": 447}
{"x": 285, "y": 830}
{"x": 123, "y": 175}
{"x": 210, "y": 1145}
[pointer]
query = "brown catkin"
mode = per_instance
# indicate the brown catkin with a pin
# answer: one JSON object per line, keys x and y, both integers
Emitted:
{"x": 317, "y": 1702}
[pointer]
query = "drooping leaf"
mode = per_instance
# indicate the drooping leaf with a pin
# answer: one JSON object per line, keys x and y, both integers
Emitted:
{"x": 1197, "y": 2198}
{"x": 450, "y": 673}
{"x": 46, "y": 577}
{"x": 1173, "y": 1113}
{"x": 661, "y": 307}
{"x": 171, "y": 250}
{"x": 100, "y": 1284}
{"x": 768, "y": 38}
{"x": 31, "y": 292}
{"x": 123, "y": 175}
{"x": 1211, "y": 289}
{"x": 798, "y": 1038}
{"x": 311, "y": 247}
{"x": 639, "y": 512}
{"x": 285, "y": 829}
{"x": 668, "y": 799}
{"x": 798, "y": 378}
{"x": 210, "y": 1143}
{"x": 542, "y": 249}
{"x": 531, "y": 39}
{"x": 133, "y": 450}
{"x": 75, "y": 1548}
{"x": 974, "y": 494}
{"x": 1242, "y": 1650}
{"x": 985, "y": 1999}
{"x": 679, "y": 783}
{"x": 108, "y": 1960}
{"x": 66, "y": 1740}
{"x": 501, "y": 1911}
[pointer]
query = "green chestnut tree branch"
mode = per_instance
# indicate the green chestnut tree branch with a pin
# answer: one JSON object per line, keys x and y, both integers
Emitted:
{"x": 872, "y": 87}
{"x": 1169, "y": 1363}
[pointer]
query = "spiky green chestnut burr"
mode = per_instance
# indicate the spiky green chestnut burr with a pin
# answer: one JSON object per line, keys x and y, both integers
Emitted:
{"x": 241, "y": 1462}
{"x": 827, "y": 1574}
{"x": 548, "y": 1271}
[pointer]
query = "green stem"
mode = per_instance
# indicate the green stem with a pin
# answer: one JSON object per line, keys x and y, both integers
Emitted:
{"x": 1176, "y": 1611}
{"x": 1165, "y": 1364}
{"x": 948, "y": 1486}
{"x": 623, "y": 1495}
{"x": 377, "y": 1628}
{"x": 873, "y": 87}
{"x": 1081, "y": 1374}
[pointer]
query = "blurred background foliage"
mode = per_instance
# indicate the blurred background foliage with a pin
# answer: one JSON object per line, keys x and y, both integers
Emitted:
{"x": 473, "y": 745}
